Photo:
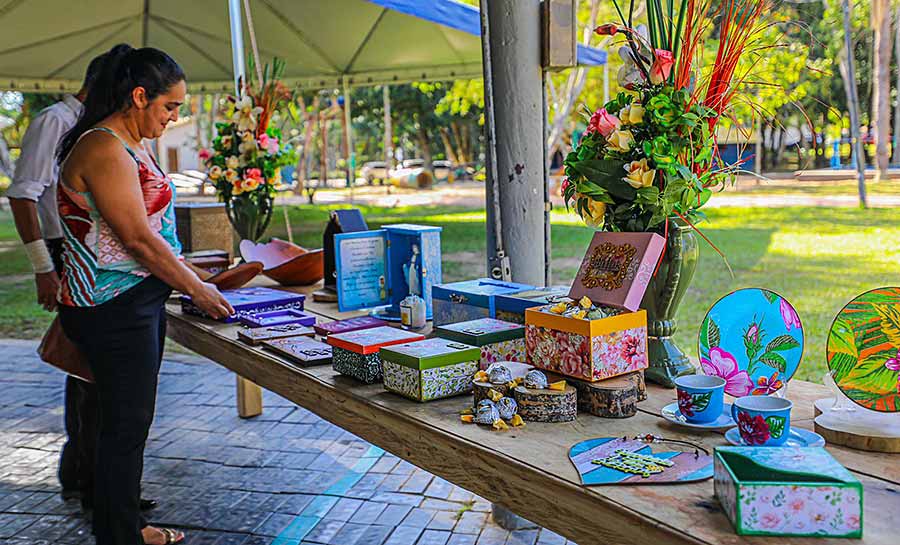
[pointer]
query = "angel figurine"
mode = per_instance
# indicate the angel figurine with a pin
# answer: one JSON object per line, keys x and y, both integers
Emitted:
{"x": 411, "y": 271}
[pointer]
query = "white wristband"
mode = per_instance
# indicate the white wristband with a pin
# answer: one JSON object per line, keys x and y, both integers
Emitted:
{"x": 39, "y": 256}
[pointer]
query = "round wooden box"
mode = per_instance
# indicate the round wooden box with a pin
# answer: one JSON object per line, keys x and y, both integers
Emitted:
{"x": 546, "y": 405}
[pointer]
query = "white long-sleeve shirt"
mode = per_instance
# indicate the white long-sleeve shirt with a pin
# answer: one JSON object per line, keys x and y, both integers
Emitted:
{"x": 37, "y": 171}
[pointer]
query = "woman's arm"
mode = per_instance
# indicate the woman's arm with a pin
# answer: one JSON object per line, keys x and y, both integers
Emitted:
{"x": 112, "y": 180}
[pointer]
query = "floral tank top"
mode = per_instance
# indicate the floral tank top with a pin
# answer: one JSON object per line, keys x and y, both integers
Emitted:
{"x": 96, "y": 265}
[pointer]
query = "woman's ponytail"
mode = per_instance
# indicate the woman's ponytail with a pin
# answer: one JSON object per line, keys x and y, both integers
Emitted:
{"x": 124, "y": 69}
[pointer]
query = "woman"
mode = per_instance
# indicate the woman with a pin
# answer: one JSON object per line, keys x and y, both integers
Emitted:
{"x": 120, "y": 264}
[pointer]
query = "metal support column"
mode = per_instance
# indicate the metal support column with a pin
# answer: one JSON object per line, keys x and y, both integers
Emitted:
{"x": 237, "y": 43}
{"x": 511, "y": 43}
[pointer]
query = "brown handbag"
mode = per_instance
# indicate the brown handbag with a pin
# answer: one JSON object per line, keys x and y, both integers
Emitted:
{"x": 59, "y": 351}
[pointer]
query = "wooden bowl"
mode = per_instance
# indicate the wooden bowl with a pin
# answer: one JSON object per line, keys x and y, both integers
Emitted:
{"x": 286, "y": 263}
{"x": 236, "y": 277}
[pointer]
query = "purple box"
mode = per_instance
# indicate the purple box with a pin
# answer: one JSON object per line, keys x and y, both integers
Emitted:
{"x": 350, "y": 324}
{"x": 617, "y": 269}
{"x": 278, "y": 317}
{"x": 248, "y": 301}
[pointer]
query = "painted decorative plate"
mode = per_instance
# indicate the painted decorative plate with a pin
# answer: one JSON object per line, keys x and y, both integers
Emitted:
{"x": 753, "y": 339}
{"x": 864, "y": 350}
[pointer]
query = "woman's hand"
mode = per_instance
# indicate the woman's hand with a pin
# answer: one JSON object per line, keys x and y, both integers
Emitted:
{"x": 208, "y": 298}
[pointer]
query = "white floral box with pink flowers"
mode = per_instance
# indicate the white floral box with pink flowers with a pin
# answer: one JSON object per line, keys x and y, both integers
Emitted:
{"x": 785, "y": 491}
{"x": 590, "y": 350}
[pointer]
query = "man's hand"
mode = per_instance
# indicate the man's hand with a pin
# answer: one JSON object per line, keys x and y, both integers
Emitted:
{"x": 47, "y": 287}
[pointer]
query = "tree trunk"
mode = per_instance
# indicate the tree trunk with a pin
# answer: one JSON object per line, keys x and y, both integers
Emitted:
{"x": 881, "y": 93}
{"x": 896, "y": 141}
{"x": 6, "y": 164}
{"x": 848, "y": 71}
{"x": 448, "y": 145}
{"x": 388, "y": 133}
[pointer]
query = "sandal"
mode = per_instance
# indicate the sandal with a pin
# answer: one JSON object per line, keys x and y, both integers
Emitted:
{"x": 172, "y": 536}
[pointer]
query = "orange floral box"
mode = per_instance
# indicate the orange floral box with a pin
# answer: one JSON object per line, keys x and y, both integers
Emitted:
{"x": 591, "y": 350}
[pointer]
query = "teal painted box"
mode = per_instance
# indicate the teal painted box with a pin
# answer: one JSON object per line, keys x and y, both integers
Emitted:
{"x": 498, "y": 340}
{"x": 355, "y": 353}
{"x": 470, "y": 299}
{"x": 785, "y": 491}
{"x": 430, "y": 369}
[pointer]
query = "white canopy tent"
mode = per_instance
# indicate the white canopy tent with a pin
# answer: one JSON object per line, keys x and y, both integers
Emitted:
{"x": 45, "y": 45}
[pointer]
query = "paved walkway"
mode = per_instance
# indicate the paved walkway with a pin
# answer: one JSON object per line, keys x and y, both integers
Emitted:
{"x": 286, "y": 477}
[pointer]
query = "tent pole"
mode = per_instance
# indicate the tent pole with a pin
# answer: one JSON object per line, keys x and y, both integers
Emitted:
{"x": 348, "y": 135}
{"x": 237, "y": 44}
{"x": 514, "y": 100}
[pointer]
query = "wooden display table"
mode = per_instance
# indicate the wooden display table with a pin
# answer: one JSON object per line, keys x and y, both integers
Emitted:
{"x": 527, "y": 470}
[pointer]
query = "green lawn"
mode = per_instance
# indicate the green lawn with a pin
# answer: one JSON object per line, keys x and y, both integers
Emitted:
{"x": 818, "y": 258}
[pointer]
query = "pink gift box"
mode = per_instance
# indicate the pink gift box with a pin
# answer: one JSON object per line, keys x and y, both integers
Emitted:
{"x": 617, "y": 269}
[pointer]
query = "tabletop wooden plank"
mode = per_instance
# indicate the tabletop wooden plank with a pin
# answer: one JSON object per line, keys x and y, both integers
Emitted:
{"x": 526, "y": 470}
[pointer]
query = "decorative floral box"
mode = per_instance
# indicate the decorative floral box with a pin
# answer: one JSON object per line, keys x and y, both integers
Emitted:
{"x": 469, "y": 300}
{"x": 587, "y": 349}
{"x": 355, "y": 353}
{"x": 498, "y": 340}
{"x": 248, "y": 301}
{"x": 429, "y": 369}
{"x": 511, "y": 308}
{"x": 301, "y": 350}
{"x": 350, "y": 324}
{"x": 617, "y": 269}
{"x": 784, "y": 491}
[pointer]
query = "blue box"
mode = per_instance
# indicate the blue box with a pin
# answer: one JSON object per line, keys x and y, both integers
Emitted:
{"x": 373, "y": 267}
{"x": 249, "y": 300}
{"x": 511, "y": 308}
{"x": 470, "y": 299}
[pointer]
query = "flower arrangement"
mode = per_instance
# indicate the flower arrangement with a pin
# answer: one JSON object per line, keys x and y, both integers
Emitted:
{"x": 248, "y": 154}
{"x": 650, "y": 153}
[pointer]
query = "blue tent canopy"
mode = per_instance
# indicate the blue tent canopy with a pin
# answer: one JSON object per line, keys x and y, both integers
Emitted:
{"x": 466, "y": 18}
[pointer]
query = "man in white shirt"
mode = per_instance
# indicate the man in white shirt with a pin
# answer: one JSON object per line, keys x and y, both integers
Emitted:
{"x": 32, "y": 199}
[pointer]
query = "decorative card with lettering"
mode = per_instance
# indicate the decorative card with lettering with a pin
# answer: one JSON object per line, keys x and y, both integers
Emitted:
{"x": 617, "y": 268}
{"x": 256, "y": 335}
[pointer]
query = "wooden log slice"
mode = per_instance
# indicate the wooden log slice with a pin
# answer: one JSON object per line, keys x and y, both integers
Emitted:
{"x": 480, "y": 390}
{"x": 861, "y": 430}
{"x": 546, "y": 405}
{"x": 615, "y": 397}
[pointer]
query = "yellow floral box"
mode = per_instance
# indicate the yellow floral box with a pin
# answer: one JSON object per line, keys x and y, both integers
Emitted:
{"x": 591, "y": 350}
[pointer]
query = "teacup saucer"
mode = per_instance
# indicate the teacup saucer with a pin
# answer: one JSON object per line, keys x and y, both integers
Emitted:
{"x": 799, "y": 438}
{"x": 671, "y": 413}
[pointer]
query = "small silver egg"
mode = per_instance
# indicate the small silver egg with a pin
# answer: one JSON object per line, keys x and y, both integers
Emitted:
{"x": 499, "y": 373}
{"x": 486, "y": 413}
{"x": 507, "y": 407}
{"x": 535, "y": 380}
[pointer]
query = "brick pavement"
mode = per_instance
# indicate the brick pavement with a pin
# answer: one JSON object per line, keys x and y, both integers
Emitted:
{"x": 286, "y": 477}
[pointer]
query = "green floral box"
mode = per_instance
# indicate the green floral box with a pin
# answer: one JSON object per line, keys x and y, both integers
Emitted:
{"x": 785, "y": 491}
{"x": 430, "y": 369}
{"x": 498, "y": 340}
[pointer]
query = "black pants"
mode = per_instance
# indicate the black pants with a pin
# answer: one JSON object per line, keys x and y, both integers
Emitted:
{"x": 123, "y": 340}
{"x": 76, "y": 463}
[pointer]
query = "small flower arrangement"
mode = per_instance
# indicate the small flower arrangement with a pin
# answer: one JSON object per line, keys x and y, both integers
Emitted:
{"x": 650, "y": 153}
{"x": 248, "y": 154}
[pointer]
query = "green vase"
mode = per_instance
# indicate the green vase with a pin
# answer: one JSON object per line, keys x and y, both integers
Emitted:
{"x": 250, "y": 214}
{"x": 664, "y": 294}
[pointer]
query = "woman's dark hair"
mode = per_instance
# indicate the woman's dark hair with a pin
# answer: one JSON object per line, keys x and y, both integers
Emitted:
{"x": 124, "y": 68}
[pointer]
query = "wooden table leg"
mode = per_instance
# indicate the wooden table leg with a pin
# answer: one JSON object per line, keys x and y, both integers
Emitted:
{"x": 249, "y": 398}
